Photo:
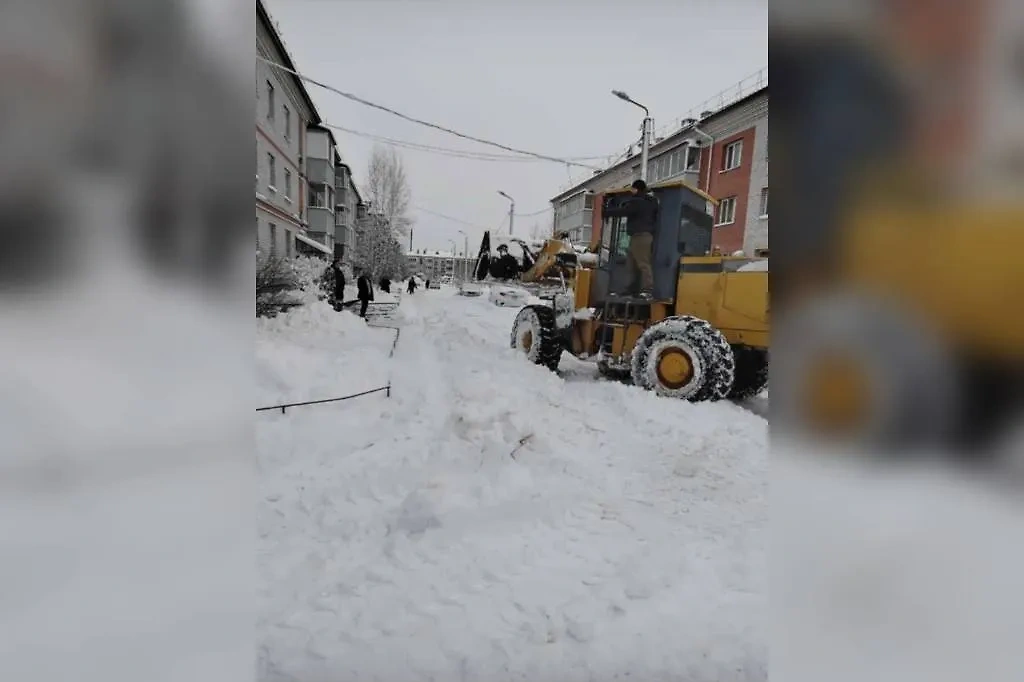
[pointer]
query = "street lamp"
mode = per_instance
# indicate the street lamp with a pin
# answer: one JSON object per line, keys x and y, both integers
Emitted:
{"x": 645, "y": 142}
{"x": 465, "y": 254}
{"x": 511, "y": 211}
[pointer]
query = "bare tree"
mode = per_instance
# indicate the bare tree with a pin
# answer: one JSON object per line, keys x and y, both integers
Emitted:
{"x": 387, "y": 189}
{"x": 539, "y": 233}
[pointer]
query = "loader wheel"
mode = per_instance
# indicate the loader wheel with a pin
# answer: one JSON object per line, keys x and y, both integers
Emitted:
{"x": 863, "y": 373}
{"x": 751, "y": 372}
{"x": 684, "y": 357}
{"x": 535, "y": 336}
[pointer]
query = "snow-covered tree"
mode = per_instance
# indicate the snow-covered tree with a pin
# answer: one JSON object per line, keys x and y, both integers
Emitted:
{"x": 387, "y": 220}
{"x": 539, "y": 233}
{"x": 387, "y": 189}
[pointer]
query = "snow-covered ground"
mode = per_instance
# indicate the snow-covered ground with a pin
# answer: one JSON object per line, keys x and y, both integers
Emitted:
{"x": 494, "y": 521}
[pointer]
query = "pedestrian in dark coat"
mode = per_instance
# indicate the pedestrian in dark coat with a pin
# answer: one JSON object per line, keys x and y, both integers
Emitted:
{"x": 385, "y": 285}
{"x": 339, "y": 283}
{"x": 412, "y": 285}
{"x": 365, "y": 294}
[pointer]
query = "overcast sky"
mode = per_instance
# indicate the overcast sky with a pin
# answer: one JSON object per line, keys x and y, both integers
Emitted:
{"x": 528, "y": 74}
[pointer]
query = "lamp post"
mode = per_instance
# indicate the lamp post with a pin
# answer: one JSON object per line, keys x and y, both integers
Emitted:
{"x": 645, "y": 140}
{"x": 465, "y": 254}
{"x": 511, "y": 211}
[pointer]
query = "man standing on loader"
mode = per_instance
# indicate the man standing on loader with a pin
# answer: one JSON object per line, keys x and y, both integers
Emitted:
{"x": 641, "y": 214}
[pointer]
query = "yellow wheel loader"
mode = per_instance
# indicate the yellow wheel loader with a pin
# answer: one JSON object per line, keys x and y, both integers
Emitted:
{"x": 702, "y": 335}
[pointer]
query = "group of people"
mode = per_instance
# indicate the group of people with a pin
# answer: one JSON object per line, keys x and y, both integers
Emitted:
{"x": 364, "y": 288}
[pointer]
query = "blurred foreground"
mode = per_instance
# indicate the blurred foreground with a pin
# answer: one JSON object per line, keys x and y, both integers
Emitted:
{"x": 897, "y": 358}
{"x": 126, "y": 308}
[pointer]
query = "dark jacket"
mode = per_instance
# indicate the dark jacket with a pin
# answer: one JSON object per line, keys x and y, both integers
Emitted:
{"x": 641, "y": 213}
{"x": 339, "y": 281}
{"x": 365, "y": 288}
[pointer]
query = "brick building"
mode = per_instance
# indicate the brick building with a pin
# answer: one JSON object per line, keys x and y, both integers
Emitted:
{"x": 724, "y": 153}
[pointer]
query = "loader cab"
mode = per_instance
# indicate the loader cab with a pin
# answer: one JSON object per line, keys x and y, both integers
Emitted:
{"x": 683, "y": 229}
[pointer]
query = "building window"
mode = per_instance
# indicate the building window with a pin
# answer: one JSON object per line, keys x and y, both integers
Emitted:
{"x": 271, "y": 172}
{"x": 733, "y": 156}
{"x": 692, "y": 158}
{"x": 317, "y": 195}
{"x": 287, "y": 122}
{"x": 288, "y": 243}
{"x": 726, "y": 211}
{"x": 270, "y": 101}
{"x": 764, "y": 202}
{"x": 273, "y": 239}
{"x": 287, "y": 184}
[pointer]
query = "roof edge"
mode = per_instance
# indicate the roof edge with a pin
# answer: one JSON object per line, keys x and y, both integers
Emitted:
{"x": 575, "y": 189}
{"x": 263, "y": 15}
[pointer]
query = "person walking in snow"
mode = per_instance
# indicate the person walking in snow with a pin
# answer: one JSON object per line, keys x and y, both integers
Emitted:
{"x": 412, "y": 285}
{"x": 339, "y": 283}
{"x": 385, "y": 285}
{"x": 365, "y": 294}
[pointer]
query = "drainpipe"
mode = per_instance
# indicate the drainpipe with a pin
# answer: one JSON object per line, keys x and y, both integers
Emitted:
{"x": 711, "y": 156}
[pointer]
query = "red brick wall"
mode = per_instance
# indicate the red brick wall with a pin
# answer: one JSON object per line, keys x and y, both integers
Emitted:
{"x": 735, "y": 182}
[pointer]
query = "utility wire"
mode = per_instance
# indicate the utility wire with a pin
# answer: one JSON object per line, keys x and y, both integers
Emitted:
{"x": 445, "y": 151}
{"x": 360, "y": 100}
{"x": 448, "y": 217}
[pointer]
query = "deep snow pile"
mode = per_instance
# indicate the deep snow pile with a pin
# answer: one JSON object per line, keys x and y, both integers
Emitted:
{"x": 493, "y": 521}
{"x": 314, "y": 352}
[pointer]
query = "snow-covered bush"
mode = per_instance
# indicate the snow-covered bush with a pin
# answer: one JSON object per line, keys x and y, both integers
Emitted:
{"x": 276, "y": 283}
{"x": 309, "y": 271}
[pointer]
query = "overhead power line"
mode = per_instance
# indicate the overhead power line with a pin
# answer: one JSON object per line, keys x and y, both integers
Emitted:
{"x": 444, "y": 151}
{"x": 411, "y": 119}
{"x": 460, "y": 221}
{"x": 530, "y": 215}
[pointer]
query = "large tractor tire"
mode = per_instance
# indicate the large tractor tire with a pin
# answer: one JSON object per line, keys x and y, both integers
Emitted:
{"x": 751, "y": 372}
{"x": 534, "y": 334}
{"x": 684, "y": 357}
{"x": 863, "y": 373}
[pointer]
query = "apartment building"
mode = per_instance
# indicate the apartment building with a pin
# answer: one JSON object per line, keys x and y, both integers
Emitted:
{"x": 723, "y": 152}
{"x": 435, "y": 265}
{"x": 346, "y": 217}
{"x": 284, "y": 111}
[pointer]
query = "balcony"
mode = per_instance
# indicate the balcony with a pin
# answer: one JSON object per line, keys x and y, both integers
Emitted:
{"x": 320, "y": 220}
{"x": 320, "y": 171}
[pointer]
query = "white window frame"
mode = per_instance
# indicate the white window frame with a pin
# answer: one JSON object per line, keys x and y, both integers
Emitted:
{"x": 764, "y": 203}
{"x": 728, "y": 201}
{"x": 732, "y": 154}
{"x": 686, "y": 161}
{"x": 312, "y": 191}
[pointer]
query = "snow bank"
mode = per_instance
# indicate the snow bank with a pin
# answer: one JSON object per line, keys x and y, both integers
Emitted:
{"x": 494, "y": 521}
{"x": 313, "y": 352}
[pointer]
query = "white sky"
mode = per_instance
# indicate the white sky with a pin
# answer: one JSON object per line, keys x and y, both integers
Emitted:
{"x": 530, "y": 74}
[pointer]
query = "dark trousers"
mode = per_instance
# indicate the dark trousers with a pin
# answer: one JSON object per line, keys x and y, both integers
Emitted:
{"x": 363, "y": 303}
